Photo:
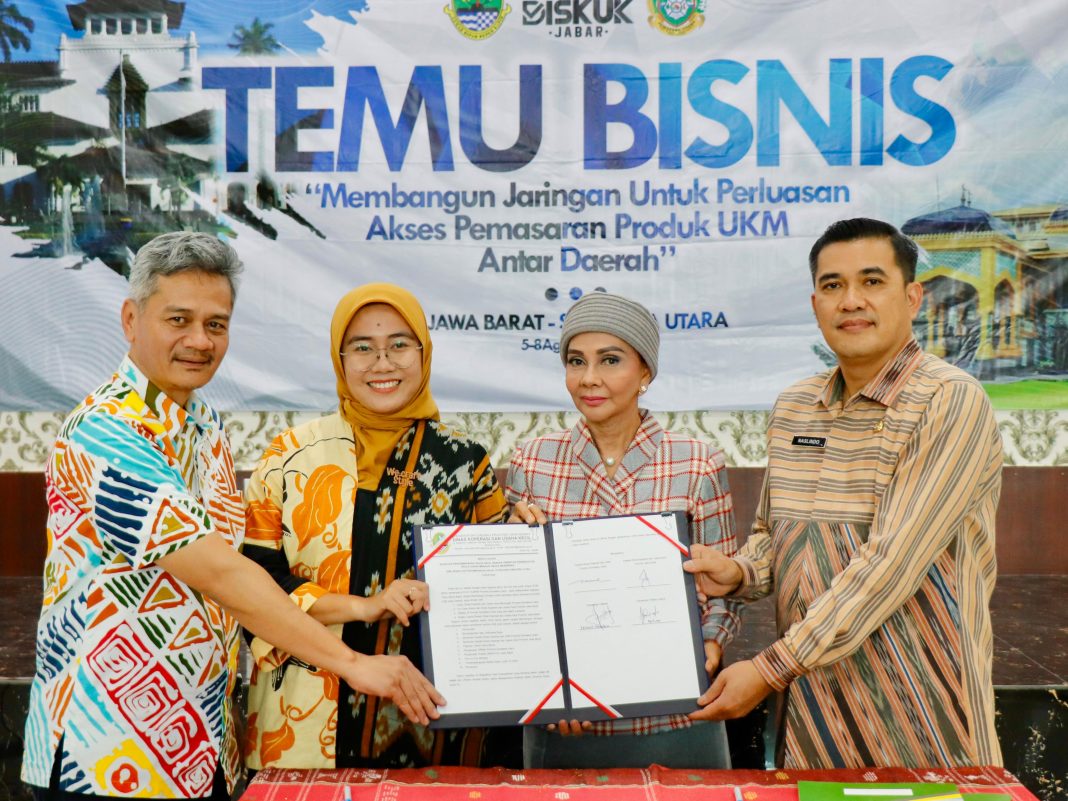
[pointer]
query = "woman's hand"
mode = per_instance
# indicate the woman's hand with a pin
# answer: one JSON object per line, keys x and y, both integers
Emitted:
{"x": 402, "y": 599}
{"x": 524, "y": 512}
{"x": 713, "y": 657}
{"x": 570, "y": 729}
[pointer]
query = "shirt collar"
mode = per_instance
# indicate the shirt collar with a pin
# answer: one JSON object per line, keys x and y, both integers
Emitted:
{"x": 167, "y": 411}
{"x": 641, "y": 449}
{"x": 885, "y": 387}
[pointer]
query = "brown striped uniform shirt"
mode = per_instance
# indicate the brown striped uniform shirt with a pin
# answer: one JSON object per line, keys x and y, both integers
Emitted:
{"x": 876, "y": 530}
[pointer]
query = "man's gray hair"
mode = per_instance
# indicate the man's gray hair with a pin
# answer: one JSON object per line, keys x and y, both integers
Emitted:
{"x": 176, "y": 252}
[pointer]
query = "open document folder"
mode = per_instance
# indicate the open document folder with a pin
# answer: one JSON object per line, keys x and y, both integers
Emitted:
{"x": 588, "y": 619}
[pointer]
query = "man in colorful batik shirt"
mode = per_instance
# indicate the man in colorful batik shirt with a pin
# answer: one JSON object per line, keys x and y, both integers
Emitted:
{"x": 876, "y": 531}
{"x": 143, "y": 585}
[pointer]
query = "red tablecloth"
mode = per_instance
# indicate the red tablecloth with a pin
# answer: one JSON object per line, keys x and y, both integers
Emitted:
{"x": 654, "y": 784}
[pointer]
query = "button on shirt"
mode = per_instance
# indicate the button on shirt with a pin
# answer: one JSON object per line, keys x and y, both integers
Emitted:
{"x": 134, "y": 668}
{"x": 876, "y": 530}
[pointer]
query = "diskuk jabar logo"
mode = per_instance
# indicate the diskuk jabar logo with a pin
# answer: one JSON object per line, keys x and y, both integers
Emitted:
{"x": 477, "y": 19}
{"x": 578, "y": 19}
{"x": 676, "y": 17}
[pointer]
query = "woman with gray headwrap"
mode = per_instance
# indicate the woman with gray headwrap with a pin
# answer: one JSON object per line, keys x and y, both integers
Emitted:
{"x": 618, "y": 460}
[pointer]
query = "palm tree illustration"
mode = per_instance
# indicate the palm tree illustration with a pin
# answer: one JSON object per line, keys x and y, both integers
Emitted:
{"x": 256, "y": 39}
{"x": 10, "y": 35}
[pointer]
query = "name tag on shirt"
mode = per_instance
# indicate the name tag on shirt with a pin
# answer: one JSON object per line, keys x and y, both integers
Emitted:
{"x": 810, "y": 442}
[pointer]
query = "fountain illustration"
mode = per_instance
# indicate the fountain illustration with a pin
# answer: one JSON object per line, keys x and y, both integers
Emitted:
{"x": 66, "y": 242}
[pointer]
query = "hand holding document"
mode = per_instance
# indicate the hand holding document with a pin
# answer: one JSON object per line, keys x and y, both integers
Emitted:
{"x": 594, "y": 619}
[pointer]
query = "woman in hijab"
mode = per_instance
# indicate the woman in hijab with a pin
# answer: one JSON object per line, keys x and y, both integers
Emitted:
{"x": 330, "y": 510}
{"x": 618, "y": 460}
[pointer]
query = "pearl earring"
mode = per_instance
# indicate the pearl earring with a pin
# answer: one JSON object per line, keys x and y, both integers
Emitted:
{"x": 642, "y": 389}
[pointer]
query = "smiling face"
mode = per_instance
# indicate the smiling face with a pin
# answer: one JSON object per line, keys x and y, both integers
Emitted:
{"x": 604, "y": 376}
{"x": 179, "y": 336}
{"x": 382, "y": 388}
{"x": 863, "y": 306}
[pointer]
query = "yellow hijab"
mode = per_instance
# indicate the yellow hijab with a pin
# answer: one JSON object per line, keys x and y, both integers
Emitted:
{"x": 376, "y": 434}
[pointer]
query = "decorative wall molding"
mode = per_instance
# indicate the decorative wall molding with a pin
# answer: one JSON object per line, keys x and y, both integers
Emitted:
{"x": 1031, "y": 438}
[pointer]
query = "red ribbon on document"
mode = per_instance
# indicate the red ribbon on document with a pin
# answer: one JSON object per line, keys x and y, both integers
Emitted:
{"x": 603, "y": 707}
{"x": 534, "y": 712}
{"x": 441, "y": 545}
{"x": 673, "y": 541}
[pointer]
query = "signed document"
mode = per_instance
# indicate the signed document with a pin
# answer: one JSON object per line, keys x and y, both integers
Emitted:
{"x": 590, "y": 619}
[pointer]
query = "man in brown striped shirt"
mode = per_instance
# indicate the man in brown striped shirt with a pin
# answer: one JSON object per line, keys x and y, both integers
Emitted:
{"x": 876, "y": 531}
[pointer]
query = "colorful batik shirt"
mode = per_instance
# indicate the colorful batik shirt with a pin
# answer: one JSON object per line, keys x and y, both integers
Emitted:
{"x": 564, "y": 476}
{"x": 315, "y": 532}
{"x": 876, "y": 530}
{"x": 134, "y": 668}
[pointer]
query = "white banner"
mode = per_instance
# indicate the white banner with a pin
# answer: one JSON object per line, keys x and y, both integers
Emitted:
{"x": 502, "y": 159}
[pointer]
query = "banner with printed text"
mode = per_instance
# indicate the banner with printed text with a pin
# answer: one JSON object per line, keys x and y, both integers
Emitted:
{"x": 501, "y": 158}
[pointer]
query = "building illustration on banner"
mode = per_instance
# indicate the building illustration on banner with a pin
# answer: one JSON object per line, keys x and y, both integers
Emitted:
{"x": 110, "y": 168}
{"x": 116, "y": 140}
{"x": 122, "y": 154}
{"x": 113, "y": 142}
{"x": 995, "y": 295}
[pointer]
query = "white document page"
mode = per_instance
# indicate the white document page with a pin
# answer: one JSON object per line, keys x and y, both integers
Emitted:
{"x": 626, "y": 616}
{"x": 491, "y": 617}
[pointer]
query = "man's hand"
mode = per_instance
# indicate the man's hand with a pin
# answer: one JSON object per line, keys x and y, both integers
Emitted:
{"x": 524, "y": 512}
{"x": 396, "y": 678}
{"x": 716, "y": 575}
{"x": 244, "y": 589}
{"x": 735, "y": 691}
{"x": 402, "y": 599}
{"x": 570, "y": 729}
{"x": 713, "y": 656}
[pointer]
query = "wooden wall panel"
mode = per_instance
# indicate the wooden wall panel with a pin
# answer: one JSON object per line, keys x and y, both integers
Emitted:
{"x": 1031, "y": 534}
{"x": 23, "y": 514}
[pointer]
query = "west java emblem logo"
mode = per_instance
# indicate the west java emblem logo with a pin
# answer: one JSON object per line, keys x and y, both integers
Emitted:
{"x": 477, "y": 19}
{"x": 676, "y": 17}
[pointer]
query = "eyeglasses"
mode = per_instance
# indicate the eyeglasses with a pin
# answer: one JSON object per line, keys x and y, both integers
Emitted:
{"x": 401, "y": 353}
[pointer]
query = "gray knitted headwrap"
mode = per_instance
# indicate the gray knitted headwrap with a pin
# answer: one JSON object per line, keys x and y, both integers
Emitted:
{"x": 616, "y": 315}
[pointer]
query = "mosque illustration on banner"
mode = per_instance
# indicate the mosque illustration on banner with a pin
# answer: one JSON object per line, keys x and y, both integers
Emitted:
{"x": 995, "y": 288}
{"x": 116, "y": 141}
